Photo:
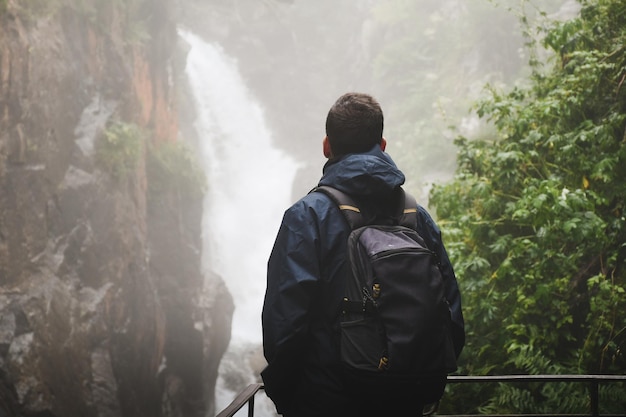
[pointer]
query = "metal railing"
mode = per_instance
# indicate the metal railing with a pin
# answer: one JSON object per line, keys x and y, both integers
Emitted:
{"x": 593, "y": 381}
{"x": 247, "y": 395}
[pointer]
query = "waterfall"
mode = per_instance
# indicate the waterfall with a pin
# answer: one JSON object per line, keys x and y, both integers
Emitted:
{"x": 249, "y": 187}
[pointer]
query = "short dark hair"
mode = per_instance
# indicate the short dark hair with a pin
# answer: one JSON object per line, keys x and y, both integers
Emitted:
{"x": 354, "y": 124}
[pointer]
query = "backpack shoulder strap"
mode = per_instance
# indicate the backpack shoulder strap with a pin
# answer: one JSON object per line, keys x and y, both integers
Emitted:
{"x": 407, "y": 217}
{"x": 409, "y": 214}
{"x": 346, "y": 204}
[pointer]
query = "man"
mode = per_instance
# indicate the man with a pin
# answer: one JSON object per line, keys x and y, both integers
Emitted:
{"x": 306, "y": 275}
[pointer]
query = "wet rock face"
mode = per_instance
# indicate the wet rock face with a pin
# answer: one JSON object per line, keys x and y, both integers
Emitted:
{"x": 103, "y": 310}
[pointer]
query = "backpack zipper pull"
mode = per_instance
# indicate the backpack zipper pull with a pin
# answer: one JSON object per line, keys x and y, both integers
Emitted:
{"x": 376, "y": 291}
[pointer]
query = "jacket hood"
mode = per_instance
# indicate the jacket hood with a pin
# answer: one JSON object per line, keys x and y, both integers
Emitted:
{"x": 370, "y": 173}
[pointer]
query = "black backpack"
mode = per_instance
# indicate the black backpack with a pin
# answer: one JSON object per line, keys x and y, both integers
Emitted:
{"x": 395, "y": 320}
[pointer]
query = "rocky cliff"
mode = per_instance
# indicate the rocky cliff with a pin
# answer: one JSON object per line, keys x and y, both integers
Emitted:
{"x": 103, "y": 310}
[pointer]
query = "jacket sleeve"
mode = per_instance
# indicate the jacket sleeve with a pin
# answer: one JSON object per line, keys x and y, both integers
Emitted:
{"x": 432, "y": 234}
{"x": 292, "y": 277}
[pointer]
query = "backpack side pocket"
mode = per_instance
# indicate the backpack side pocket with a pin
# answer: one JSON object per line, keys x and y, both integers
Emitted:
{"x": 362, "y": 343}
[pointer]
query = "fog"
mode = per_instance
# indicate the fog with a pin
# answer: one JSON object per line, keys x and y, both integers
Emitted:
{"x": 425, "y": 61}
{"x": 101, "y": 292}
{"x": 277, "y": 68}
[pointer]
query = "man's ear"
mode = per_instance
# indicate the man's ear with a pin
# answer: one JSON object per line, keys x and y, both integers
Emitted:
{"x": 383, "y": 144}
{"x": 328, "y": 152}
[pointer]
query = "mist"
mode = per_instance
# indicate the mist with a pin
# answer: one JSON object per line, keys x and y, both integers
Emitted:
{"x": 426, "y": 63}
{"x": 120, "y": 268}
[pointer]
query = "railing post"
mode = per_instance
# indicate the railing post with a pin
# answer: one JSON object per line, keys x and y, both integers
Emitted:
{"x": 594, "y": 397}
{"x": 251, "y": 406}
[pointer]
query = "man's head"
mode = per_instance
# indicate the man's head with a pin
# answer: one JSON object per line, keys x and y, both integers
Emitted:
{"x": 354, "y": 124}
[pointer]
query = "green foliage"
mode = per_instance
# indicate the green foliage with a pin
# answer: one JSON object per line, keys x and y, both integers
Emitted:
{"x": 118, "y": 150}
{"x": 172, "y": 166}
{"x": 535, "y": 224}
{"x": 136, "y": 30}
{"x": 545, "y": 398}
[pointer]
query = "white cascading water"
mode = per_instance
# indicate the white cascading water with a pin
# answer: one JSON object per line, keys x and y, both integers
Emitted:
{"x": 249, "y": 187}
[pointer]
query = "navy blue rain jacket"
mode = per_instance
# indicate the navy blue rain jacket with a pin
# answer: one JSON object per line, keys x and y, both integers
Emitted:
{"x": 305, "y": 282}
